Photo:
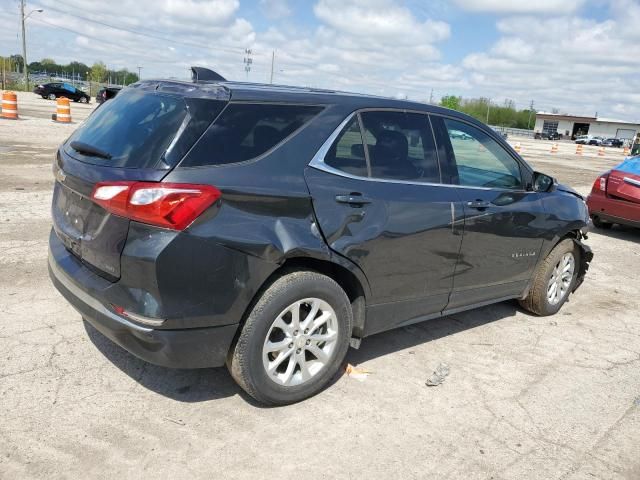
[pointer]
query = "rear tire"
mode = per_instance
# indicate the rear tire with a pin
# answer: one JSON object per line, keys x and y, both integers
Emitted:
{"x": 600, "y": 224}
{"x": 83, "y": 100}
{"x": 554, "y": 280}
{"x": 282, "y": 357}
{"x": 52, "y": 96}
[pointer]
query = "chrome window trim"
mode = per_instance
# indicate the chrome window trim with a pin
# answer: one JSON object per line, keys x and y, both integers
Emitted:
{"x": 317, "y": 161}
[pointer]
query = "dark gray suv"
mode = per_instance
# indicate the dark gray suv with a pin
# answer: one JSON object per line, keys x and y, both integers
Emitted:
{"x": 270, "y": 228}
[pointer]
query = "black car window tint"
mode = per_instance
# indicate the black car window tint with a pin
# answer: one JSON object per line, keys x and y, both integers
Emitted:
{"x": 480, "y": 160}
{"x": 245, "y": 131}
{"x": 347, "y": 152}
{"x": 400, "y": 146}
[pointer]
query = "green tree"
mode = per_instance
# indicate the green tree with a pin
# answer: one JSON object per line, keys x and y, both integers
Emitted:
{"x": 98, "y": 72}
{"x": 451, "y": 101}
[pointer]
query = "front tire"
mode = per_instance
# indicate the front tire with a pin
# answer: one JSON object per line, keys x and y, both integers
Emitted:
{"x": 52, "y": 96}
{"x": 554, "y": 280}
{"x": 294, "y": 339}
{"x": 83, "y": 100}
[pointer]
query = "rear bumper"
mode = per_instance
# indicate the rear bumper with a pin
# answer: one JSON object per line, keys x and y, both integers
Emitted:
{"x": 613, "y": 210}
{"x": 184, "y": 348}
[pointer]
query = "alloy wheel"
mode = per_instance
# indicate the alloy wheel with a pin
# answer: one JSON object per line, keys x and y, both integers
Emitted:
{"x": 561, "y": 277}
{"x": 301, "y": 342}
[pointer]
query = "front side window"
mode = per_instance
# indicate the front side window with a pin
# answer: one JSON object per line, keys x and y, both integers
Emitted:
{"x": 400, "y": 146}
{"x": 480, "y": 160}
{"x": 347, "y": 152}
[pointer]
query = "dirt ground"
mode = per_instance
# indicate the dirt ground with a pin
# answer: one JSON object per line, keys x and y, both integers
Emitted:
{"x": 526, "y": 397}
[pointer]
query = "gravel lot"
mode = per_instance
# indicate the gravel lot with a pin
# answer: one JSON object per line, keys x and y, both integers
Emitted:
{"x": 526, "y": 397}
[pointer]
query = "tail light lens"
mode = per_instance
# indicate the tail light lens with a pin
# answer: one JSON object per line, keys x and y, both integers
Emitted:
{"x": 601, "y": 183}
{"x": 168, "y": 205}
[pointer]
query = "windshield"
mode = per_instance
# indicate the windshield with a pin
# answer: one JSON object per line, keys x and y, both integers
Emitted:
{"x": 134, "y": 130}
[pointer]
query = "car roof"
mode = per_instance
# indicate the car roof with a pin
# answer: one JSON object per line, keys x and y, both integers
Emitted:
{"x": 259, "y": 92}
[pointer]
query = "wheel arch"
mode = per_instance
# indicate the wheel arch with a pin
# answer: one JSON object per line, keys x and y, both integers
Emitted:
{"x": 345, "y": 274}
{"x": 575, "y": 233}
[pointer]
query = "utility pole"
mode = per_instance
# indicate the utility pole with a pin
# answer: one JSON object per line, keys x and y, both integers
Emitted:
{"x": 139, "y": 70}
{"x": 431, "y": 97}
{"x": 488, "y": 109}
{"x": 25, "y": 69}
{"x": 247, "y": 62}
{"x": 530, "y": 112}
{"x": 273, "y": 59}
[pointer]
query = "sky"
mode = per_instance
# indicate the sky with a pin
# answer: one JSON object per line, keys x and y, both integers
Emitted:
{"x": 573, "y": 56}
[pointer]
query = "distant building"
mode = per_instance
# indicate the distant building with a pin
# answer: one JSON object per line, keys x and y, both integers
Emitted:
{"x": 570, "y": 126}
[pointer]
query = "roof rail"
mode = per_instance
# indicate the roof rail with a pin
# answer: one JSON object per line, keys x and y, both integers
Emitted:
{"x": 201, "y": 74}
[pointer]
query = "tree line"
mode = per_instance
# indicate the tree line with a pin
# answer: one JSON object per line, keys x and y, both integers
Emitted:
{"x": 98, "y": 72}
{"x": 505, "y": 115}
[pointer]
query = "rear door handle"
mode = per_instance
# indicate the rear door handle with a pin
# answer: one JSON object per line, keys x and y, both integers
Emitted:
{"x": 353, "y": 199}
{"x": 479, "y": 204}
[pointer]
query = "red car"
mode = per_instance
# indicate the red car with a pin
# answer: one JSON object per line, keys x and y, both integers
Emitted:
{"x": 615, "y": 197}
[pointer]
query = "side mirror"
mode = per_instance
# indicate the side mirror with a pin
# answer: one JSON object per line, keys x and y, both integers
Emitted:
{"x": 543, "y": 183}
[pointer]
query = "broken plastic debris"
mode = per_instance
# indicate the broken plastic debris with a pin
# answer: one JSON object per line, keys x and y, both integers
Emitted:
{"x": 357, "y": 372}
{"x": 438, "y": 375}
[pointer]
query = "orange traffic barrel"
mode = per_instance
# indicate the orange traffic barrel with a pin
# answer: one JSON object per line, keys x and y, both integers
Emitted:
{"x": 63, "y": 111}
{"x": 579, "y": 149}
{"x": 517, "y": 147}
{"x": 9, "y": 105}
{"x": 626, "y": 151}
{"x": 554, "y": 148}
{"x": 601, "y": 152}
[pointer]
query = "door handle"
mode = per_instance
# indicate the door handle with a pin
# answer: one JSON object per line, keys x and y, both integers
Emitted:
{"x": 353, "y": 199}
{"x": 479, "y": 204}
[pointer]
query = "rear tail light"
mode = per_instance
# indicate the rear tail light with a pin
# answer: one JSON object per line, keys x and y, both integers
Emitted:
{"x": 168, "y": 205}
{"x": 601, "y": 183}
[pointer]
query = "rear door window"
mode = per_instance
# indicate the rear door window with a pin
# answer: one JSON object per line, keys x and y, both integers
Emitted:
{"x": 401, "y": 146}
{"x": 347, "y": 152}
{"x": 245, "y": 131}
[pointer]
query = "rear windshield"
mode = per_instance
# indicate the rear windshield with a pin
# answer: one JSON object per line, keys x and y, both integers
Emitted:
{"x": 138, "y": 129}
{"x": 247, "y": 130}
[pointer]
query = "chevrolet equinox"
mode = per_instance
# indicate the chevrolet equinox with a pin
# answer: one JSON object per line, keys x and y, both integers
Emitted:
{"x": 270, "y": 228}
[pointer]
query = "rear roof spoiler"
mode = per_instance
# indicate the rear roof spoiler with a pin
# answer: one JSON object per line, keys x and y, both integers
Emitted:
{"x": 201, "y": 74}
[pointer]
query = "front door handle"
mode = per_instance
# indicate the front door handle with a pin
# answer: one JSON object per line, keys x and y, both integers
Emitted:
{"x": 479, "y": 204}
{"x": 353, "y": 199}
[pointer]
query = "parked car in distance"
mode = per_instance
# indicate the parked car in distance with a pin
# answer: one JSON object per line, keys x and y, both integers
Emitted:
{"x": 60, "y": 89}
{"x": 107, "y": 93}
{"x": 551, "y": 136}
{"x": 583, "y": 139}
{"x": 613, "y": 142}
{"x": 615, "y": 196}
{"x": 597, "y": 141}
{"x": 270, "y": 228}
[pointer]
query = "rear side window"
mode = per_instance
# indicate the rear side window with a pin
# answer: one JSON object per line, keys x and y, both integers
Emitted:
{"x": 139, "y": 129}
{"x": 401, "y": 146}
{"x": 247, "y": 130}
{"x": 347, "y": 152}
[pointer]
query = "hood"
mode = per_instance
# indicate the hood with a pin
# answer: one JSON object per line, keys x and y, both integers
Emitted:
{"x": 568, "y": 189}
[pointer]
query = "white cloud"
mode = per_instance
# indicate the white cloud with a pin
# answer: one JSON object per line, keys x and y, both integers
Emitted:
{"x": 381, "y": 19}
{"x": 275, "y": 9}
{"x": 575, "y": 64}
{"x": 521, "y": 6}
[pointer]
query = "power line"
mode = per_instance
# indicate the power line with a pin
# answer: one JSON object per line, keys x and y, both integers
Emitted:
{"x": 143, "y": 34}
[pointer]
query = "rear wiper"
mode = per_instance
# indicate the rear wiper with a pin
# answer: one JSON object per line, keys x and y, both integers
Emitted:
{"x": 87, "y": 149}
